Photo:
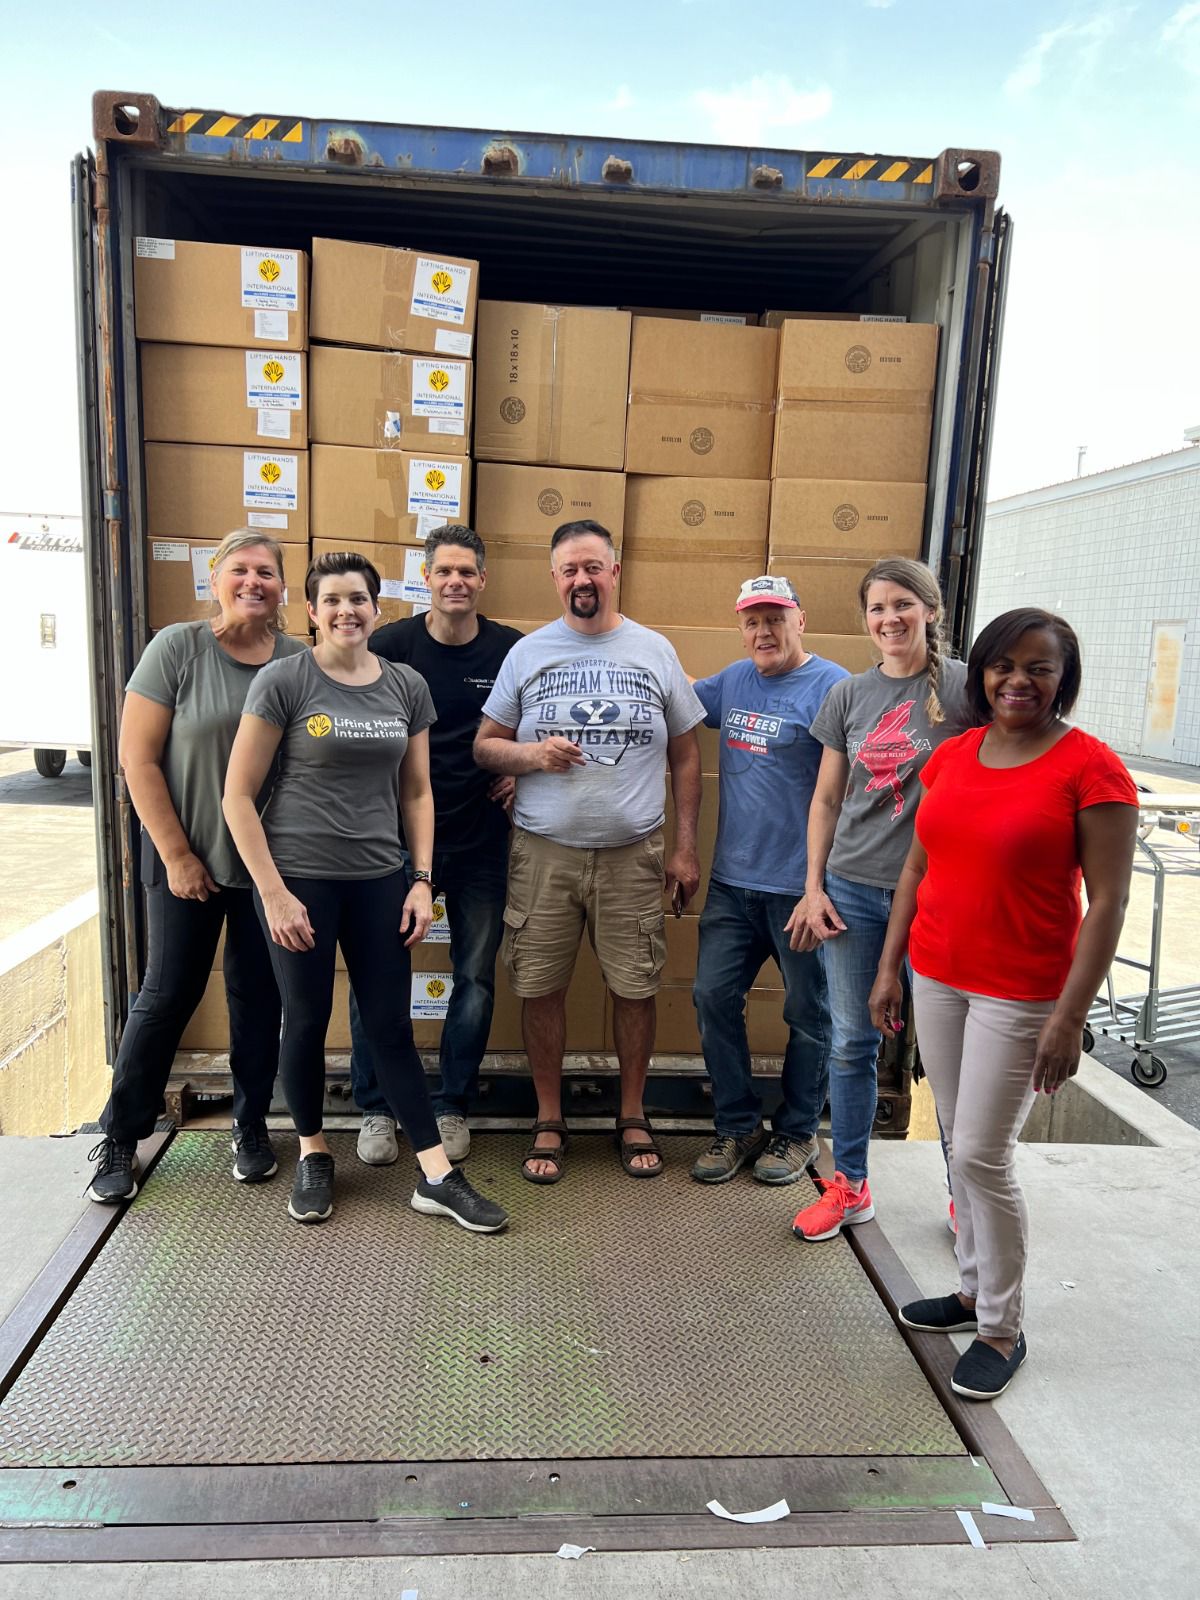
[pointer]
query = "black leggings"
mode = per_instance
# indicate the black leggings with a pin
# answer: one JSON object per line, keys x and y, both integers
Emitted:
{"x": 363, "y": 916}
{"x": 182, "y": 938}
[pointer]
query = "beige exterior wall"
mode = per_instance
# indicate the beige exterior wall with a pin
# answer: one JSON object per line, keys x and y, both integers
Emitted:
{"x": 53, "y": 1074}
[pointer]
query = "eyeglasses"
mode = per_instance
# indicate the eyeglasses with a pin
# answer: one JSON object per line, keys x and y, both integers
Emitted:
{"x": 607, "y": 761}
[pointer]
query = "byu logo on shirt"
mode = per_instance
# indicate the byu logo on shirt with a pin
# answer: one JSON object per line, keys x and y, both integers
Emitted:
{"x": 595, "y": 713}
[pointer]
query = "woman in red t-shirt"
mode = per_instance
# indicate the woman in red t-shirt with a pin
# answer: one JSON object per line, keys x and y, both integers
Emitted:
{"x": 1005, "y": 966}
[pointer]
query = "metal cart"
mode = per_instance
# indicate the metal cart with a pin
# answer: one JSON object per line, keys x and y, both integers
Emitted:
{"x": 1154, "y": 1015}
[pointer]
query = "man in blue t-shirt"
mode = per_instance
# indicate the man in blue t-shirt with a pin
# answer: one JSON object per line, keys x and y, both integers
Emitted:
{"x": 764, "y": 707}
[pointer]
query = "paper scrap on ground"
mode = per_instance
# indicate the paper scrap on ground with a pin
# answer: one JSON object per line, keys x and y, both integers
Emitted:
{"x": 972, "y": 1530}
{"x": 767, "y": 1514}
{"x": 1066, "y": 1283}
{"x": 408, "y": 1594}
{"x": 1017, "y": 1513}
{"x": 572, "y": 1552}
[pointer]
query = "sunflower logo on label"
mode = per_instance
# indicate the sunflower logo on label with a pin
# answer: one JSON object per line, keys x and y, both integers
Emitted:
{"x": 273, "y": 371}
{"x": 318, "y": 725}
{"x": 439, "y": 380}
{"x": 702, "y": 440}
{"x": 435, "y": 479}
{"x": 858, "y": 358}
{"x": 270, "y": 472}
{"x": 550, "y": 502}
{"x": 512, "y": 409}
{"x": 693, "y": 513}
{"x": 845, "y": 517}
{"x": 439, "y": 911}
{"x": 435, "y": 988}
{"x": 442, "y": 282}
{"x": 268, "y": 269}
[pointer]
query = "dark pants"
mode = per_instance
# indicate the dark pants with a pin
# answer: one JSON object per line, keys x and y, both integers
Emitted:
{"x": 475, "y": 887}
{"x": 739, "y": 930}
{"x": 182, "y": 936}
{"x": 363, "y": 916}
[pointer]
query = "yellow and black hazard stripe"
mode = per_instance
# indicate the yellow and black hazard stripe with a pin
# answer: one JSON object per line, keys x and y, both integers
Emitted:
{"x": 878, "y": 169}
{"x": 218, "y": 125}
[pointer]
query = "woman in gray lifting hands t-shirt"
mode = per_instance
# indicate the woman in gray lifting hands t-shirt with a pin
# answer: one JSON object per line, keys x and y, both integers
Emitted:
{"x": 350, "y": 731}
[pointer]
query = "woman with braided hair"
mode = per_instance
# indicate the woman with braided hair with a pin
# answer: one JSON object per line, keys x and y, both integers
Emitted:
{"x": 878, "y": 728}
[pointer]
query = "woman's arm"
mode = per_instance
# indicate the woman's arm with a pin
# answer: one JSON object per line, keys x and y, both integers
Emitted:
{"x": 145, "y": 727}
{"x": 886, "y": 1000}
{"x": 249, "y": 762}
{"x": 815, "y": 918}
{"x": 1105, "y": 835}
{"x": 416, "y": 808}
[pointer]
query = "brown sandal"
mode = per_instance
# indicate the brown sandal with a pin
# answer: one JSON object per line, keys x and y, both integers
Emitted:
{"x": 557, "y": 1155}
{"x": 629, "y": 1151}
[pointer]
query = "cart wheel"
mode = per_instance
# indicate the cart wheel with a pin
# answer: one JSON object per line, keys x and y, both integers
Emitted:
{"x": 1089, "y": 1041}
{"x": 1149, "y": 1073}
{"x": 84, "y": 757}
{"x": 50, "y": 763}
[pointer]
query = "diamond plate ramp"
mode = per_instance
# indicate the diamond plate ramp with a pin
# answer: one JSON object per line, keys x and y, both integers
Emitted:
{"x": 614, "y": 1319}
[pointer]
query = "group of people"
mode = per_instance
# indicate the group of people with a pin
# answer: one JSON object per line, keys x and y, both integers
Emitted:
{"x": 305, "y": 799}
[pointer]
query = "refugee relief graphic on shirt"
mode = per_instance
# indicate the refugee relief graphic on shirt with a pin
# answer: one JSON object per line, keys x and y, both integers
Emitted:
{"x": 888, "y": 752}
{"x": 606, "y": 710}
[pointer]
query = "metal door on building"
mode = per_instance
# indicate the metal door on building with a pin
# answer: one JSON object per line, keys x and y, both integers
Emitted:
{"x": 1162, "y": 690}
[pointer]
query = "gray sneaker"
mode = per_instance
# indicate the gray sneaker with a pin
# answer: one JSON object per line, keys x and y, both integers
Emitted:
{"x": 726, "y": 1156}
{"x": 456, "y": 1136}
{"x": 785, "y": 1160}
{"x": 377, "y": 1140}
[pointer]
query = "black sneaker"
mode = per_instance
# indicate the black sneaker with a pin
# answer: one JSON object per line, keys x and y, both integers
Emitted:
{"x": 255, "y": 1159}
{"x": 982, "y": 1372}
{"x": 454, "y": 1197}
{"x": 946, "y": 1314}
{"x": 312, "y": 1192}
{"x": 115, "y": 1177}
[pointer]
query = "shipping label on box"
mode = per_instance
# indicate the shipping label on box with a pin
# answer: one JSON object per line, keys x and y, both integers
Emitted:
{"x": 168, "y": 550}
{"x": 435, "y": 486}
{"x": 439, "y": 392}
{"x": 271, "y": 280}
{"x": 273, "y": 380}
{"x": 441, "y": 290}
{"x": 155, "y": 249}
{"x": 412, "y": 586}
{"x": 203, "y": 557}
{"x": 431, "y": 993}
{"x": 439, "y": 928}
{"x": 269, "y": 482}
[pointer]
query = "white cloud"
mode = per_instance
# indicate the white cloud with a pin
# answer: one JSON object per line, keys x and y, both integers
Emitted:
{"x": 1083, "y": 39}
{"x": 749, "y": 113}
{"x": 1180, "y": 22}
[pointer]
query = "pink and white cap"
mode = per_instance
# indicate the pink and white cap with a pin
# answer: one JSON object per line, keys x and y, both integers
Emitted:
{"x": 767, "y": 592}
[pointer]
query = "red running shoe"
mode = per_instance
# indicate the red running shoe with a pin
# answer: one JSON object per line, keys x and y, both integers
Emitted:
{"x": 837, "y": 1208}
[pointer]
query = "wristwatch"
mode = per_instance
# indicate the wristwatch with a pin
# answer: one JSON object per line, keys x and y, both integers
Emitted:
{"x": 420, "y": 875}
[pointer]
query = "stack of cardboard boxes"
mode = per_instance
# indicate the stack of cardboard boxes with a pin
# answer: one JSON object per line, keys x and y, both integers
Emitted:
{"x": 390, "y": 419}
{"x": 222, "y": 333}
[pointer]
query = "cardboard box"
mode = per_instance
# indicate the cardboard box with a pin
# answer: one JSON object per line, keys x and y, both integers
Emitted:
{"x": 204, "y": 491}
{"x": 854, "y": 651}
{"x": 385, "y": 496}
{"x": 524, "y": 505}
{"x": 379, "y": 400}
{"x": 701, "y": 399}
{"x": 401, "y": 570}
{"x": 776, "y": 319}
{"x": 519, "y": 579}
{"x": 740, "y": 319}
{"x": 830, "y": 517}
{"x": 227, "y": 294}
{"x": 855, "y": 401}
{"x": 551, "y": 385}
{"x": 828, "y": 591}
{"x": 177, "y": 582}
{"x": 207, "y": 394}
{"x": 388, "y": 299}
{"x": 690, "y": 543}
{"x": 703, "y": 652}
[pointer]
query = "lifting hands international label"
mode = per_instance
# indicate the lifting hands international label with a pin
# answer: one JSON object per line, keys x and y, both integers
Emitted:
{"x": 440, "y": 290}
{"x": 270, "y": 280}
{"x": 431, "y": 993}
{"x": 269, "y": 481}
{"x": 273, "y": 380}
{"x": 439, "y": 390}
{"x": 435, "y": 486}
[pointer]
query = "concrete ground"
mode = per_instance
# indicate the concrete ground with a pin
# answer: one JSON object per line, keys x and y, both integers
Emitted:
{"x": 1105, "y": 1410}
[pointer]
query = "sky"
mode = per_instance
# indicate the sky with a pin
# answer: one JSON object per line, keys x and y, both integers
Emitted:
{"x": 1093, "y": 108}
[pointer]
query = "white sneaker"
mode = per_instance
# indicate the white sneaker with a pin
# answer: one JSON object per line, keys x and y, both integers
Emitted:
{"x": 456, "y": 1136}
{"x": 377, "y": 1140}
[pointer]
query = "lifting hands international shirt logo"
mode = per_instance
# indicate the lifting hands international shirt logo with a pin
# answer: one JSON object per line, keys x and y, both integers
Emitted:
{"x": 888, "y": 752}
{"x": 602, "y": 708}
{"x": 319, "y": 725}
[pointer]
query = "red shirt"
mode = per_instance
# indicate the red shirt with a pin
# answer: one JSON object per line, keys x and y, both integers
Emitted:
{"x": 998, "y": 910}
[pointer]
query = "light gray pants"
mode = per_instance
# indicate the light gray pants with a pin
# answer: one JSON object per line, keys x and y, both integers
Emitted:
{"x": 979, "y": 1054}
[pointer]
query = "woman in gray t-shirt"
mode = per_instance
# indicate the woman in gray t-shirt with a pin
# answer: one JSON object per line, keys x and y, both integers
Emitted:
{"x": 182, "y": 707}
{"x": 350, "y": 732}
{"x": 878, "y": 728}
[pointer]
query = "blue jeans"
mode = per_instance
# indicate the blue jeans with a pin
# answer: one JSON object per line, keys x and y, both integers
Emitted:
{"x": 851, "y": 960}
{"x": 739, "y": 929}
{"x": 475, "y": 885}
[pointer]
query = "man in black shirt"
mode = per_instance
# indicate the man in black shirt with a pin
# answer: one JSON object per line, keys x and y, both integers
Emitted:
{"x": 458, "y": 653}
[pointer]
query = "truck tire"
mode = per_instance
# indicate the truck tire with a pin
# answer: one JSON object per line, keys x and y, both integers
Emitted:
{"x": 85, "y": 757}
{"x": 50, "y": 763}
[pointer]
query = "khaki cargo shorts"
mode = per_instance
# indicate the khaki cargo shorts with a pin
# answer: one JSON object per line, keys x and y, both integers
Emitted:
{"x": 555, "y": 890}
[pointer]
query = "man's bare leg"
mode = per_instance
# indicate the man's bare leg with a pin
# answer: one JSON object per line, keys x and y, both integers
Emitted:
{"x": 633, "y": 1031}
{"x": 544, "y": 1029}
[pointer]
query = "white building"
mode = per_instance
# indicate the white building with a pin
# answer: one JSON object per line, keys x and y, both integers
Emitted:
{"x": 1118, "y": 555}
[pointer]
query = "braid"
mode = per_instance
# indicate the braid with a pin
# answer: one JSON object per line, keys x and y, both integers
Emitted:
{"x": 933, "y": 647}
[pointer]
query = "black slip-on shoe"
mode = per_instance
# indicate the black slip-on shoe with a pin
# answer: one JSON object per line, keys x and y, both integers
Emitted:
{"x": 982, "y": 1372}
{"x": 946, "y": 1314}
